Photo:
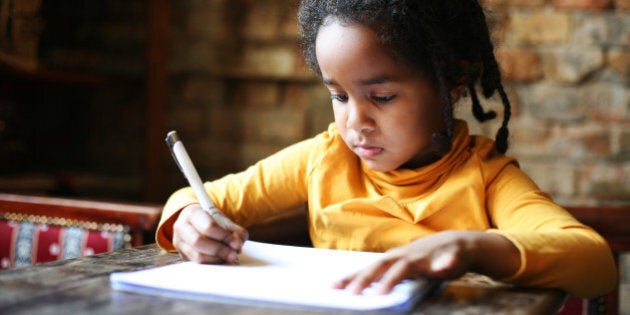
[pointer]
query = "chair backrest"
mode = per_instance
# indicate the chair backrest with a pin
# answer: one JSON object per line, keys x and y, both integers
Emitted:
{"x": 611, "y": 222}
{"x": 36, "y": 229}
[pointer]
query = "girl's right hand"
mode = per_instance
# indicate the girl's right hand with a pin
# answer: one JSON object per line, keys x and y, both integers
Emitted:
{"x": 198, "y": 237}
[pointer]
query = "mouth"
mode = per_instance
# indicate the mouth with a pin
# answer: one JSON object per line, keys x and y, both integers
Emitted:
{"x": 367, "y": 151}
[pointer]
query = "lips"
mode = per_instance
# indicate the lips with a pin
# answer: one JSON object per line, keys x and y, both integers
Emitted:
{"x": 366, "y": 151}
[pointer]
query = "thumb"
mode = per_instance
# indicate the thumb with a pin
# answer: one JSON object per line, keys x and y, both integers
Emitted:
{"x": 239, "y": 234}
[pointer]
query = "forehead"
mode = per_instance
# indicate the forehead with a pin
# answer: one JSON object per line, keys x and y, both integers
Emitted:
{"x": 340, "y": 34}
{"x": 353, "y": 49}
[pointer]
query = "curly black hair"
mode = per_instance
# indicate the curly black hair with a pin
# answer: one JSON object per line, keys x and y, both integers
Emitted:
{"x": 446, "y": 40}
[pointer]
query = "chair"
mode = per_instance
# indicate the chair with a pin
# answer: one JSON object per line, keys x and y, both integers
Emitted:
{"x": 290, "y": 228}
{"x": 37, "y": 229}
{"x": 612, "y": 223}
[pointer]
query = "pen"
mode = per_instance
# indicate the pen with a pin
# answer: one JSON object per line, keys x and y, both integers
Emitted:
{"x": 186, "y": 166}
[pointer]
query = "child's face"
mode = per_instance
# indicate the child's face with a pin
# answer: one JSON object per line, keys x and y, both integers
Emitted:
{"x": 384, "y": 111}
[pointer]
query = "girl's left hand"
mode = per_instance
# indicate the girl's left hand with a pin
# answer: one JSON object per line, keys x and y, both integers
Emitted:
{"x": 444, "y": 255}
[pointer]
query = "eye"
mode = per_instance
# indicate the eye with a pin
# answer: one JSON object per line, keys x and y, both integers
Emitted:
{"x": 339, "y": 97}
{"x": 383, "y": 99}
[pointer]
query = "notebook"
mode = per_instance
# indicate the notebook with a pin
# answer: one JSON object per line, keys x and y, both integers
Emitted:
{"x": 277, "y": 274}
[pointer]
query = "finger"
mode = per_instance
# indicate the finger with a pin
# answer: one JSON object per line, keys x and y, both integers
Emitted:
{"x": 237, "y": 234}
{"x": 398, "y": 272}
{"x": 441, "y": 266}
{"x": 364, "y": 278}
{"x": 343, "y": 283}
{"x": 207, "y": 237}
{"x": 205, "y": 225}
{"x": 195, "y": 247}
{"x": 187, "y": 252}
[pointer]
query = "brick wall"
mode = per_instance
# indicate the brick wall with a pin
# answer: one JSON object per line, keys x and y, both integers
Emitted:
{"x": 240, "y": 90}
{"x": 566, "y": 66}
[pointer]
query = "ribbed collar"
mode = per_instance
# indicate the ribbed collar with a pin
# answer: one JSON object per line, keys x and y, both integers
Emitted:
{"x": 416, "y": 182}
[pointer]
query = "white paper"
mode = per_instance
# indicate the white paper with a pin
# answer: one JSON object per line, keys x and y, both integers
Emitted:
{"x": 274, "y": 273}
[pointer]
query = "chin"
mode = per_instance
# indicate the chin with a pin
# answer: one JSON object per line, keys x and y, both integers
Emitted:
{"x": 378, "y": 167}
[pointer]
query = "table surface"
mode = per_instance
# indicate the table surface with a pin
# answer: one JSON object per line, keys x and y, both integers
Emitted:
{"x": 81, "y": 286}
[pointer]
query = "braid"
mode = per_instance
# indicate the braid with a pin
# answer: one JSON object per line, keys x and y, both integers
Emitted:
{"x": 477, "y": 108}
{"x": 503, "y": 133}
{"x": 490, "y": 81}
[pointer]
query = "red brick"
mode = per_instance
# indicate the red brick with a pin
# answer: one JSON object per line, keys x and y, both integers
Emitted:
{"x": 582, "y": 4}
{"x": 257, "y": 94}
{"x": 270, "y": 61}
{"x": 261, "y": 21}
{"x": 519, "y": 64}
{"x": 538, "y": 28}
{"x": 620, "y": 62}
{"x": 588, "y": 139}
{"x": 274, "y": 126}
{"x": 555, "y": 178}
{"x": 605, "y": 181}
{"x": 622, "y": 5}
{"x": 570, "y": 65}
{"x": 305, "y": 95}
{"x": 604, "y": 102}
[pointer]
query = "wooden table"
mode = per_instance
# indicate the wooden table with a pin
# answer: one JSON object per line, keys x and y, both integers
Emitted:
{"x": 81, "y": 286}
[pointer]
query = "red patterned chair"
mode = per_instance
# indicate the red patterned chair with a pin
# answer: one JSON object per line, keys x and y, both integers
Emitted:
{"x": 36, "y": 229}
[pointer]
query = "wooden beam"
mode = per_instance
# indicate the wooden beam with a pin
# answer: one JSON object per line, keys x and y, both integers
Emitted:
{"x": 158, "y": 37}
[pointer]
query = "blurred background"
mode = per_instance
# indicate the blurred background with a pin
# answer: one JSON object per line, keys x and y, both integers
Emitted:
{"x": 89, "y": 89}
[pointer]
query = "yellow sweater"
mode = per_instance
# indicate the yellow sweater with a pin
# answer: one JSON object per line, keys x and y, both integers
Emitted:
{"x": 471, "y": 188}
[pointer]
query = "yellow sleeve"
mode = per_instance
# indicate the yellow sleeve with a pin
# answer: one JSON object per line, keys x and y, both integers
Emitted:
{"x": 556, "y": 250}
{"x": 275, "y": 184}
{"x": 176, "y": 202}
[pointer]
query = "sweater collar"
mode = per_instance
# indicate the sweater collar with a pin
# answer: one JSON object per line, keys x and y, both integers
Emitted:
{"x": 427, "y": 175}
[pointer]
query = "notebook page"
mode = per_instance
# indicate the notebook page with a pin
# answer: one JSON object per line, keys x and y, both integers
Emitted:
{"x": 274, "y": 273}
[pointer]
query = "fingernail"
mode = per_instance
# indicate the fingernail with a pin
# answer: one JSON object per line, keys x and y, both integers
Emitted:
{"x": 232, "y": 258}
{"x": 354, "y": 289}
{"x": 235, "y": 245}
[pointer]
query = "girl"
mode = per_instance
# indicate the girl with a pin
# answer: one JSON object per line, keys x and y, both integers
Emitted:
{"x": 396, "y": 172}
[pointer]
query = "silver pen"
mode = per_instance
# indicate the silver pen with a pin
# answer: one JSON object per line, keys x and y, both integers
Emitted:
{"x": 186, "y": 166}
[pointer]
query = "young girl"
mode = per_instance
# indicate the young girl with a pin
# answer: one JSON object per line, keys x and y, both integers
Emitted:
{"x": 396, "y": 172}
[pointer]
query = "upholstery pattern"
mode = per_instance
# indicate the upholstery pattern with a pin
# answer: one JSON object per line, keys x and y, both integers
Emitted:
{"x": 28, "y": 239}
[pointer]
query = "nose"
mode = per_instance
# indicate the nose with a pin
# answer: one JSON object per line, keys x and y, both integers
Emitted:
{"x": 359, "y": 117}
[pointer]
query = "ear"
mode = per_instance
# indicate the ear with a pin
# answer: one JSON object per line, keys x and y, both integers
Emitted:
{"x": 456, "y": 92}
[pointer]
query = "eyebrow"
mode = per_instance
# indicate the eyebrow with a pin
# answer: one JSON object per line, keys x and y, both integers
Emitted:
{"x": 371, "y": 81}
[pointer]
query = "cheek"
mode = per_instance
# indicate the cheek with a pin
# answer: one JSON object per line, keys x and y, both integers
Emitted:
{"x": 414, "y": 127}
{"x": 340, "y": 115}
{"x": 427, "y": 117}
